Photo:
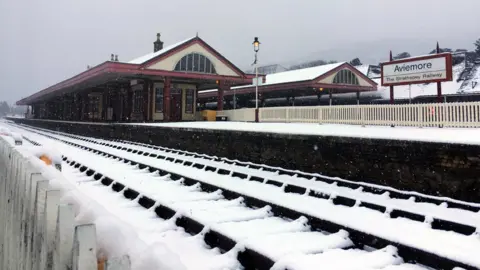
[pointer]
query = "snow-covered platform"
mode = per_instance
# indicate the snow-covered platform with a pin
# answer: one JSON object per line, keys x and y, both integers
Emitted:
{"x": 439, "y": 135}
{"x": 470, "y": 136}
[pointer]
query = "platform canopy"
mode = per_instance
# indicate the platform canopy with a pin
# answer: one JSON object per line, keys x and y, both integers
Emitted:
{"x": 338, "y": 77}
{"x": 189, "y": 61}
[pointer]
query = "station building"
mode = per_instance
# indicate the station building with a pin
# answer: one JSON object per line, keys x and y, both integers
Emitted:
{"x": 164, "y": 85}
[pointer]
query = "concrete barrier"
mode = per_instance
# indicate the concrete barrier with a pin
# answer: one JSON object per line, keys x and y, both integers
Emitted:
{"x": 36, "y": 231}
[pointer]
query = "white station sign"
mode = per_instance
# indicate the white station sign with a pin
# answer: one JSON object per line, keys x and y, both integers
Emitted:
{"x": 434, "y": 68}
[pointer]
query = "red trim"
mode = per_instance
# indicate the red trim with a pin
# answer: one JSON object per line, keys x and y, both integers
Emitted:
{"x": 88, "y": 74}
{"x": 185, "y": 45}
{"x": 290, "y": 85}
{"x": 449, "y": 67}
{"x": 125, "y": 68}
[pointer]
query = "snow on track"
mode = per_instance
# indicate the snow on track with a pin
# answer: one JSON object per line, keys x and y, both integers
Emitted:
{"x": 429, "y": 210}
{"x": 416, "y": 234}
{"x": 426, "y": 209}
{"x": 279, "y": 239}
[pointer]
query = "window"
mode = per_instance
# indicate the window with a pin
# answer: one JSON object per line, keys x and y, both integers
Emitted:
{"x": 195, "y": 62}
{"x": 189, "y": 100}
{"x": 345, "y": 76}
{"x": 94, "y": 107}
{"x": 137, "y": 101}
{"x": 159, "y": 99}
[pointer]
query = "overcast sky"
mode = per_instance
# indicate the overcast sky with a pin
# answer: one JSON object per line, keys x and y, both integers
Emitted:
{"x": 44, "y": 42}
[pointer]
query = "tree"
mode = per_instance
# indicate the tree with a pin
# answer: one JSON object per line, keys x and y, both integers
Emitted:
{"x": 402, "y": 55}
{"x": 477, "y": 46}
{"x": 356, "y": 62}
{"x": 4, "y": 108}
{"x": 442, "y": 50}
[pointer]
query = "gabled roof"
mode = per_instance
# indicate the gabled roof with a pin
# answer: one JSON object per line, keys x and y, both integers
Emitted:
{"x": 152, "y": 58}
{"x": 304, "y": 74}
{"x": 115, "y": 71}
{"x": 147, "y": 57}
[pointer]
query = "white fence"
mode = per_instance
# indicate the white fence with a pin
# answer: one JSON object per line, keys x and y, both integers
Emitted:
{"x": 36, "y": 231}
{"x": 465, "y": 114}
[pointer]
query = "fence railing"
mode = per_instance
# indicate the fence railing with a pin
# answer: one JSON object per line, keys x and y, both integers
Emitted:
{"x": 37, "y": 231}
{"x": 466, "y": 114}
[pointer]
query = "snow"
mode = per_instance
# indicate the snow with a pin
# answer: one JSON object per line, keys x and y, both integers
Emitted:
{"x": 5, "y": 131}
{"x": 342, "y": 260}
{"x": 52, "y": 154}
{"x": 416, "y": 234}
{"x": 145, "y": 58}
{"x": 16, "y": 115}
{"x": 305, "y": 74}
{"x": 363, "y": 69}
{"x": 438, "y": 135}
{"x": 114, "y": 236}
{"x": 475, "y": 79}
{"x": 426, "y": 209}
{"x": 277, "y": 246}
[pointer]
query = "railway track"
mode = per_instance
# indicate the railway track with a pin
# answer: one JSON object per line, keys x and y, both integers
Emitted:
{"x": 364, "y": 187}
{"x": 358, "y": 238}
{"x": 458, "y": 218}
{"x": 269, "y": 230}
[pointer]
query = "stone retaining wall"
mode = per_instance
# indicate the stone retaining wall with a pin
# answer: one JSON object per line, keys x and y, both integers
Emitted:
{"x": 439, "y": 169}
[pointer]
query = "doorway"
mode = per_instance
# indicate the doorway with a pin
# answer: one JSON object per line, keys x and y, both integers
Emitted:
{"x": 176, "y": 105}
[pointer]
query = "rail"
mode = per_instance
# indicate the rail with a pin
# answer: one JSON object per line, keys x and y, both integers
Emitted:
{"x": 37, "y": 231}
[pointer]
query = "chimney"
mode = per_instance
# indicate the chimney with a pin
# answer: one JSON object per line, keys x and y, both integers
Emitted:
{"x": 116, "y": 57}
{"x": 158, "y": 44}
{"x": 112, "y": 57}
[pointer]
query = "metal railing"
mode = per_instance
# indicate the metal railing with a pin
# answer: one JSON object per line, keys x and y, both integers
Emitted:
{"x": 37, "y": 231}
{"x": 462, "y": 114}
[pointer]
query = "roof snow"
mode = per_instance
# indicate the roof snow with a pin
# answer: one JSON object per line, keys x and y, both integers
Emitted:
{"x": 145, "y": 58}
{"x": 305, "y": 74}
{"x": 363, "y": 69}
{"x": 298, "y": 75}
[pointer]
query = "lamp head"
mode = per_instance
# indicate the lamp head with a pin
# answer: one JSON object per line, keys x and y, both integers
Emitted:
{"x": 256, "y": 44}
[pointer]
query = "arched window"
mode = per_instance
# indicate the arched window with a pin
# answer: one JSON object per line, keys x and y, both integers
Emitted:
{"x": 195, "y": 62}
{"x": 345, "y": 76}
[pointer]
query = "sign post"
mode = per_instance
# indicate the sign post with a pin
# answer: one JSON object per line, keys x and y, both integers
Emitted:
{"x": 439, "y": 84}
{"x": 434, "y": 68}
{"x": 392, "y": 100}
{"x": 416, "y": 70}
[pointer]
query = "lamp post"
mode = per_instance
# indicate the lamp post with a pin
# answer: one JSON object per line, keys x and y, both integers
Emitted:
{"x": 256, "y": 48}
